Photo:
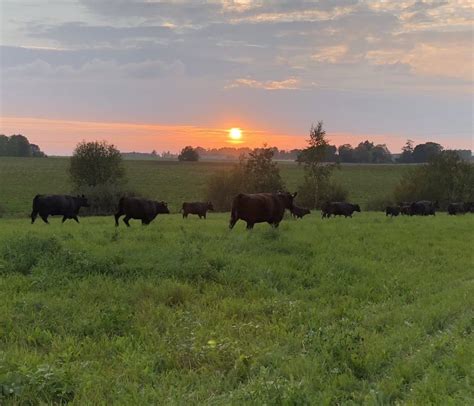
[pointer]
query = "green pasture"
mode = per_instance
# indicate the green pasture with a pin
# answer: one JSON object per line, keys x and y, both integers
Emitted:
{"x": 369, "y": 310}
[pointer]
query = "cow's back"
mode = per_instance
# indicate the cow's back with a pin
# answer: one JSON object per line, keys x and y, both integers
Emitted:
{"x": 257, "y": 208}
{"x": 54, "y": 204}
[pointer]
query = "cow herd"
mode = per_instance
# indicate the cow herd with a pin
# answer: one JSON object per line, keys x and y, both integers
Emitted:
{"x": 250, "y": 208}
{"x": 427, "y": 208}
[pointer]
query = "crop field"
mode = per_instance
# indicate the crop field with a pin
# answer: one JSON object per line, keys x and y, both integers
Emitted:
{"x": 22, "y": 178}
{"x": 368, "y": 310}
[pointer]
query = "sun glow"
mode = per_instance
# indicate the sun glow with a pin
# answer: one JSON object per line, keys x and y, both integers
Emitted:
{"x": 235, "y": 134}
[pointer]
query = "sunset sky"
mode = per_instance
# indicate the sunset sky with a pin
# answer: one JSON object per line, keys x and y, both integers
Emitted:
{"x": 163, "y": 74}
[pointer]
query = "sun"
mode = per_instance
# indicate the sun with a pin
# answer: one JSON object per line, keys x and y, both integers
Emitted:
{"x": 235, "y": 134}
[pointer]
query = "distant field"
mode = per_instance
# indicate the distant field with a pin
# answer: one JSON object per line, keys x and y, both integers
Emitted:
{"x": 22, "y": 178}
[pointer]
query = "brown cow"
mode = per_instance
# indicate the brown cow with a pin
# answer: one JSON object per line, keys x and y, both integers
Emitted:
{"x": 260, "y": 208}
{"x": 141, "y": 209}
{"x": 198, "y": 208}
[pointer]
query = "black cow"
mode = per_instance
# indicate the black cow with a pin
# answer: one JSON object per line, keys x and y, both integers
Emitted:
{"x": 424, "y": 208}
{"x": 469, "y": 207}
{"x": 456, "y": 208}
{"x": 53, "y": 205}
{"x": 405, "y": 209}
{"x": 339, "y": 209}
{"x": 140, "y": 209}
{"x": 299, "y": 212}
{"x": 392, "y": 211}
{"x": 198, "y": 208}
{"x": 260, "y": 208}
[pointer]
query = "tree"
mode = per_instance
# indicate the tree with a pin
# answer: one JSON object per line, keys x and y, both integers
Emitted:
{"x": 363, "y": 152}
{"x": 18, "y": 145}
{"x": 316, "y": 186}
{"x": 261, "y": 172}
{"x": 96, "y": 163}
{"x": 3, "y": 145}
{"x": 188, "y": 154}
{"x": 380, "y": 154}
{"x": 425, "y": 152}
{"x": 406, "y": 156}
{"x": 346, "y": 153}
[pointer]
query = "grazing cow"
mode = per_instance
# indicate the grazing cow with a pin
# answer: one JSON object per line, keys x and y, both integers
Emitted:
{"x": 260, "y": 208}
{"x": 299, "y": 212}
{"x": 339, "y": 209}
{"x": 392, "y": 211}
{"x": 196, "y": 208}
{"x": 456, "y": 208}
{"x": 424, "y": 208}
{"x": 52, "y": 205}
{"x": 140, "y": 209}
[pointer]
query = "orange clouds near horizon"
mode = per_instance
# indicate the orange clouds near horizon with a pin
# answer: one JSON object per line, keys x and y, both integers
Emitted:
{"x": 59, "y": 137}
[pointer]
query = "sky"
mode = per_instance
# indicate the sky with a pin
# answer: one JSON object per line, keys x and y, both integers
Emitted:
{"x": 158, "y": 75}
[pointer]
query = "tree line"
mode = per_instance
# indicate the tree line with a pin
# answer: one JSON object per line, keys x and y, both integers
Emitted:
{"x": 18, "y": 145}
{"x": 365, "y": 152}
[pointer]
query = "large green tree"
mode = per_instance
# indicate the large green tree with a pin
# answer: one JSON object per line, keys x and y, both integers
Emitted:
{"x": 316, "y": 187}
{"x": 96, "y": 163}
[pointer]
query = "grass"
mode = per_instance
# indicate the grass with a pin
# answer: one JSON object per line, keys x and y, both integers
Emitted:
{"x": 369, "y": 310}
{"x": 22, "y": 178}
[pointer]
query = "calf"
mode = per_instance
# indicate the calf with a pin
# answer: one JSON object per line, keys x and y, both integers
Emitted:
{"x": 197, "y": 208}
{"x": 299, "y": 212}
{"x": 392, "y": 211}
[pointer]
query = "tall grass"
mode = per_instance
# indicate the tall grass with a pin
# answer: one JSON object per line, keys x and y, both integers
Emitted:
{"x": 368, "y": 310}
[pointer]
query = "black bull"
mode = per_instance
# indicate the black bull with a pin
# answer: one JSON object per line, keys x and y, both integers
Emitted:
{"x": 260, "y": 208}
{"x": 53, "y": 205}
{"x": 140, "y": 209}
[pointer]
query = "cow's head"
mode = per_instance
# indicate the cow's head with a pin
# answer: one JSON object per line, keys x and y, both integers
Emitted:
{"x": 356, "y": 207}
{"x": 210, "y": 206}
{"x": 287, "y": 199}
{"x": 162, "y": 208}
{"x": 82, "y": 201}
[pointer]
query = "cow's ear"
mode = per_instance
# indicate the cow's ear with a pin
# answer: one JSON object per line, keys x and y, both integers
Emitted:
{"x": 294, "y": 194}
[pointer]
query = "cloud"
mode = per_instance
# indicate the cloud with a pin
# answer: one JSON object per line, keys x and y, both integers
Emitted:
{"x": 286, "y": 84}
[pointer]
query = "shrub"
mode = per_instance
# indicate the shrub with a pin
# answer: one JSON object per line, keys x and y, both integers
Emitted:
{"x": 446, "y": 178}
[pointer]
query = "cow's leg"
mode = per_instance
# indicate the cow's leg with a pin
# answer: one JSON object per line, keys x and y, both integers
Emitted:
{"x": 117, "y": 216}
{"x": 125, "y": 220}
{"x": 250, "y": 226}
{"x": 64, "y": 219}
{"x": 44, "y": 217}
{"x": 204, "y": 215}
{"x": 34, "y": 213}
{"x": 275, "y": 225}
{"x": 232, "y": 222}
{"x": 75, "y": 219}
{"x": 184, "y": 215}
